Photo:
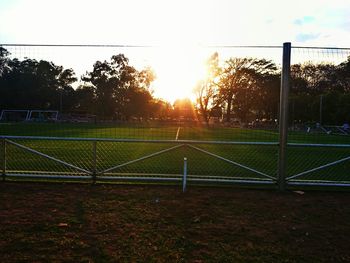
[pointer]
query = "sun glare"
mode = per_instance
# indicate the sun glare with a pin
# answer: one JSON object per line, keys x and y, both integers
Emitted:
{"x": 178, "y": 70}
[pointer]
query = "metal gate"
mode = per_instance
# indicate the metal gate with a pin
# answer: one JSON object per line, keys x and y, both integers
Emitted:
{"x": 138, "y": 160}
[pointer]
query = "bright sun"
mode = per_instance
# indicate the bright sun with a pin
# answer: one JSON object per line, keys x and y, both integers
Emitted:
{"x": 178, "y": 70}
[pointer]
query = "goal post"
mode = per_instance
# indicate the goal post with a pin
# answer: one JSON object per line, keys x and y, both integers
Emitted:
{"x": 14, "y": 115}
{"x": 43, "y": 115}
{"x": 28, "y": 115}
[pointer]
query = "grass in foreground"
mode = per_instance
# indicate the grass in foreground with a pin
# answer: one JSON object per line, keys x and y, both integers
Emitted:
{"x": 84, "y": 223}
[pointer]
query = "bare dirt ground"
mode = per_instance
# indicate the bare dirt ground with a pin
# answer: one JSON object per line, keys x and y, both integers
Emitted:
{"x": 41, "y": 222}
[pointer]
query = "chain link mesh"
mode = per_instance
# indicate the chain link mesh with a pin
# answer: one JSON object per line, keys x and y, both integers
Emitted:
{"x": 139, "y": 159}
{"x": 22, "y": 161}
{"x": 230, "y": 161}
{"x": 318, "y": 115}
{"x": 318, "y": 111}
{"x": 303, "y": 159}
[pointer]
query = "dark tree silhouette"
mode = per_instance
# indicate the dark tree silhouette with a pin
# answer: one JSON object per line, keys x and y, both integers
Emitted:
{"x": 32, "y": 84}
{"x": 240, "y": 80}
{"x": 120, "y": 90}
{"x": 246, "y": 88}
{"x": 207, "y": 89}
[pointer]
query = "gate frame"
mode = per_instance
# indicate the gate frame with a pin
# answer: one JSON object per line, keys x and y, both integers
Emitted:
{"x": 95, "y": 175}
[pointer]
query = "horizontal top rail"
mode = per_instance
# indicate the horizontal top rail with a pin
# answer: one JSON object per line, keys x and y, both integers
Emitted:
{"x": 137, "y": 140}
{"x": 329, "y": 145}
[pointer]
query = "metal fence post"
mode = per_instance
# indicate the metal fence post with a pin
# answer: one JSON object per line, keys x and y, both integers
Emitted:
{"x": 94, "y": 161}
{"x": 3, "y": 172}
{"x": 184, "y": 179}
{"x": 283, "y": 117}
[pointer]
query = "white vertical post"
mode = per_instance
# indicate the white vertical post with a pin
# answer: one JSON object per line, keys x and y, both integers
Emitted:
{"x": 283, "y": 118}
{"x": 184, "y": 179}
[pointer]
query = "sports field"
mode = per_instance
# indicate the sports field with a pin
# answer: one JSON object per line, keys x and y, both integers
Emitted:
{"x": 171, "y": 131}
{"x": 172, "y": 140}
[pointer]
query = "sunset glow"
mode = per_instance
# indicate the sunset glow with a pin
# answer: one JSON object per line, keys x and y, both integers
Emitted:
{"x": 178, "y": 71}
{"x": 176, "y": 28}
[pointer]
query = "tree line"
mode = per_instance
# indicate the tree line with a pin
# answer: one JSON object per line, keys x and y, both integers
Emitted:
{"x": 113, "y": 90}
{"x": 235, "y": 90}
{"x": 247, "y": 89}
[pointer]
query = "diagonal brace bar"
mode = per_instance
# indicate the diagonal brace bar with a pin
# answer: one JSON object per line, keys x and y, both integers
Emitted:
{"x": 48, "y": 156}
{"x": 318, "y": 168}
{"x": 232, "y": 162}
{"x": 140, "y": 159}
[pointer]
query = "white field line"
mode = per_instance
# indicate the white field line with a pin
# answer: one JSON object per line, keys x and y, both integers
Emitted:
{"x": 177, "y": 133}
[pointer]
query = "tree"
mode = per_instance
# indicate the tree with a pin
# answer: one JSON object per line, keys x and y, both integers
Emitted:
{"x": 121, "y": 91}
{"x": 140, "y": 95}
{"x": 309, "y": 78}
{"x": 85, "y": 99}
{"x": 67, "y": 95}
{"x": 342, "y": 76}
{"x": 4, "y": 61}
{"x": 206, "y": 89}
{"x": 266, "y": 97}
{"x": 139, "y": 103}
{"x": 310, "y": 82}
{"x": 109, "y": 80}
{"x": 240, "y": 79}
{"x": 145, "y": 78}
{"x": 32, "y": 84}
{"x": 160, "y": 109}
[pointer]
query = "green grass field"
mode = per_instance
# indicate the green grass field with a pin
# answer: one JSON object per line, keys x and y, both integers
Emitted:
{"x": 161, "y": 132}
{"x": 262, "y": 158}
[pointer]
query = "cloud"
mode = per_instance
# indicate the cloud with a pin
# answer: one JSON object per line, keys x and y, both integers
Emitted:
{"x": 304, "y": 20}
{"x": 306, "y": 37}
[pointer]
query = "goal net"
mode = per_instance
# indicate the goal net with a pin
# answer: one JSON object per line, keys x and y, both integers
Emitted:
{"x": 42, "y": 115}
{"x": 14, "y": 115}
{"x": 28, "y": 115}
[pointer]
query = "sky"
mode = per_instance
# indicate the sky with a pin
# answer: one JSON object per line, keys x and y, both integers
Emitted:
{"x": 181, "y": 26}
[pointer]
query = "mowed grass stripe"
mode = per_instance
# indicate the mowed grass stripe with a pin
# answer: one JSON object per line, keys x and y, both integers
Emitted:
{"x": 120, "y": 131}
{"x": 87, "y": 131}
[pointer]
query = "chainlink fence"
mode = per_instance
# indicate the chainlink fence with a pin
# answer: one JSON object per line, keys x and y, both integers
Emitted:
{"x": 120, "y": 160}
{"x": 319, "y": 146}
{"x": 81, "y": 144}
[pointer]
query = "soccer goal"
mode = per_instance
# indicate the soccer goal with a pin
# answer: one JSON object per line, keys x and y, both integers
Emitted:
{"x": 339, "y": 130}
{"x": 42, "y": 115}
{"x": 28, "y": 115}
{"x": 14, "y": 115}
